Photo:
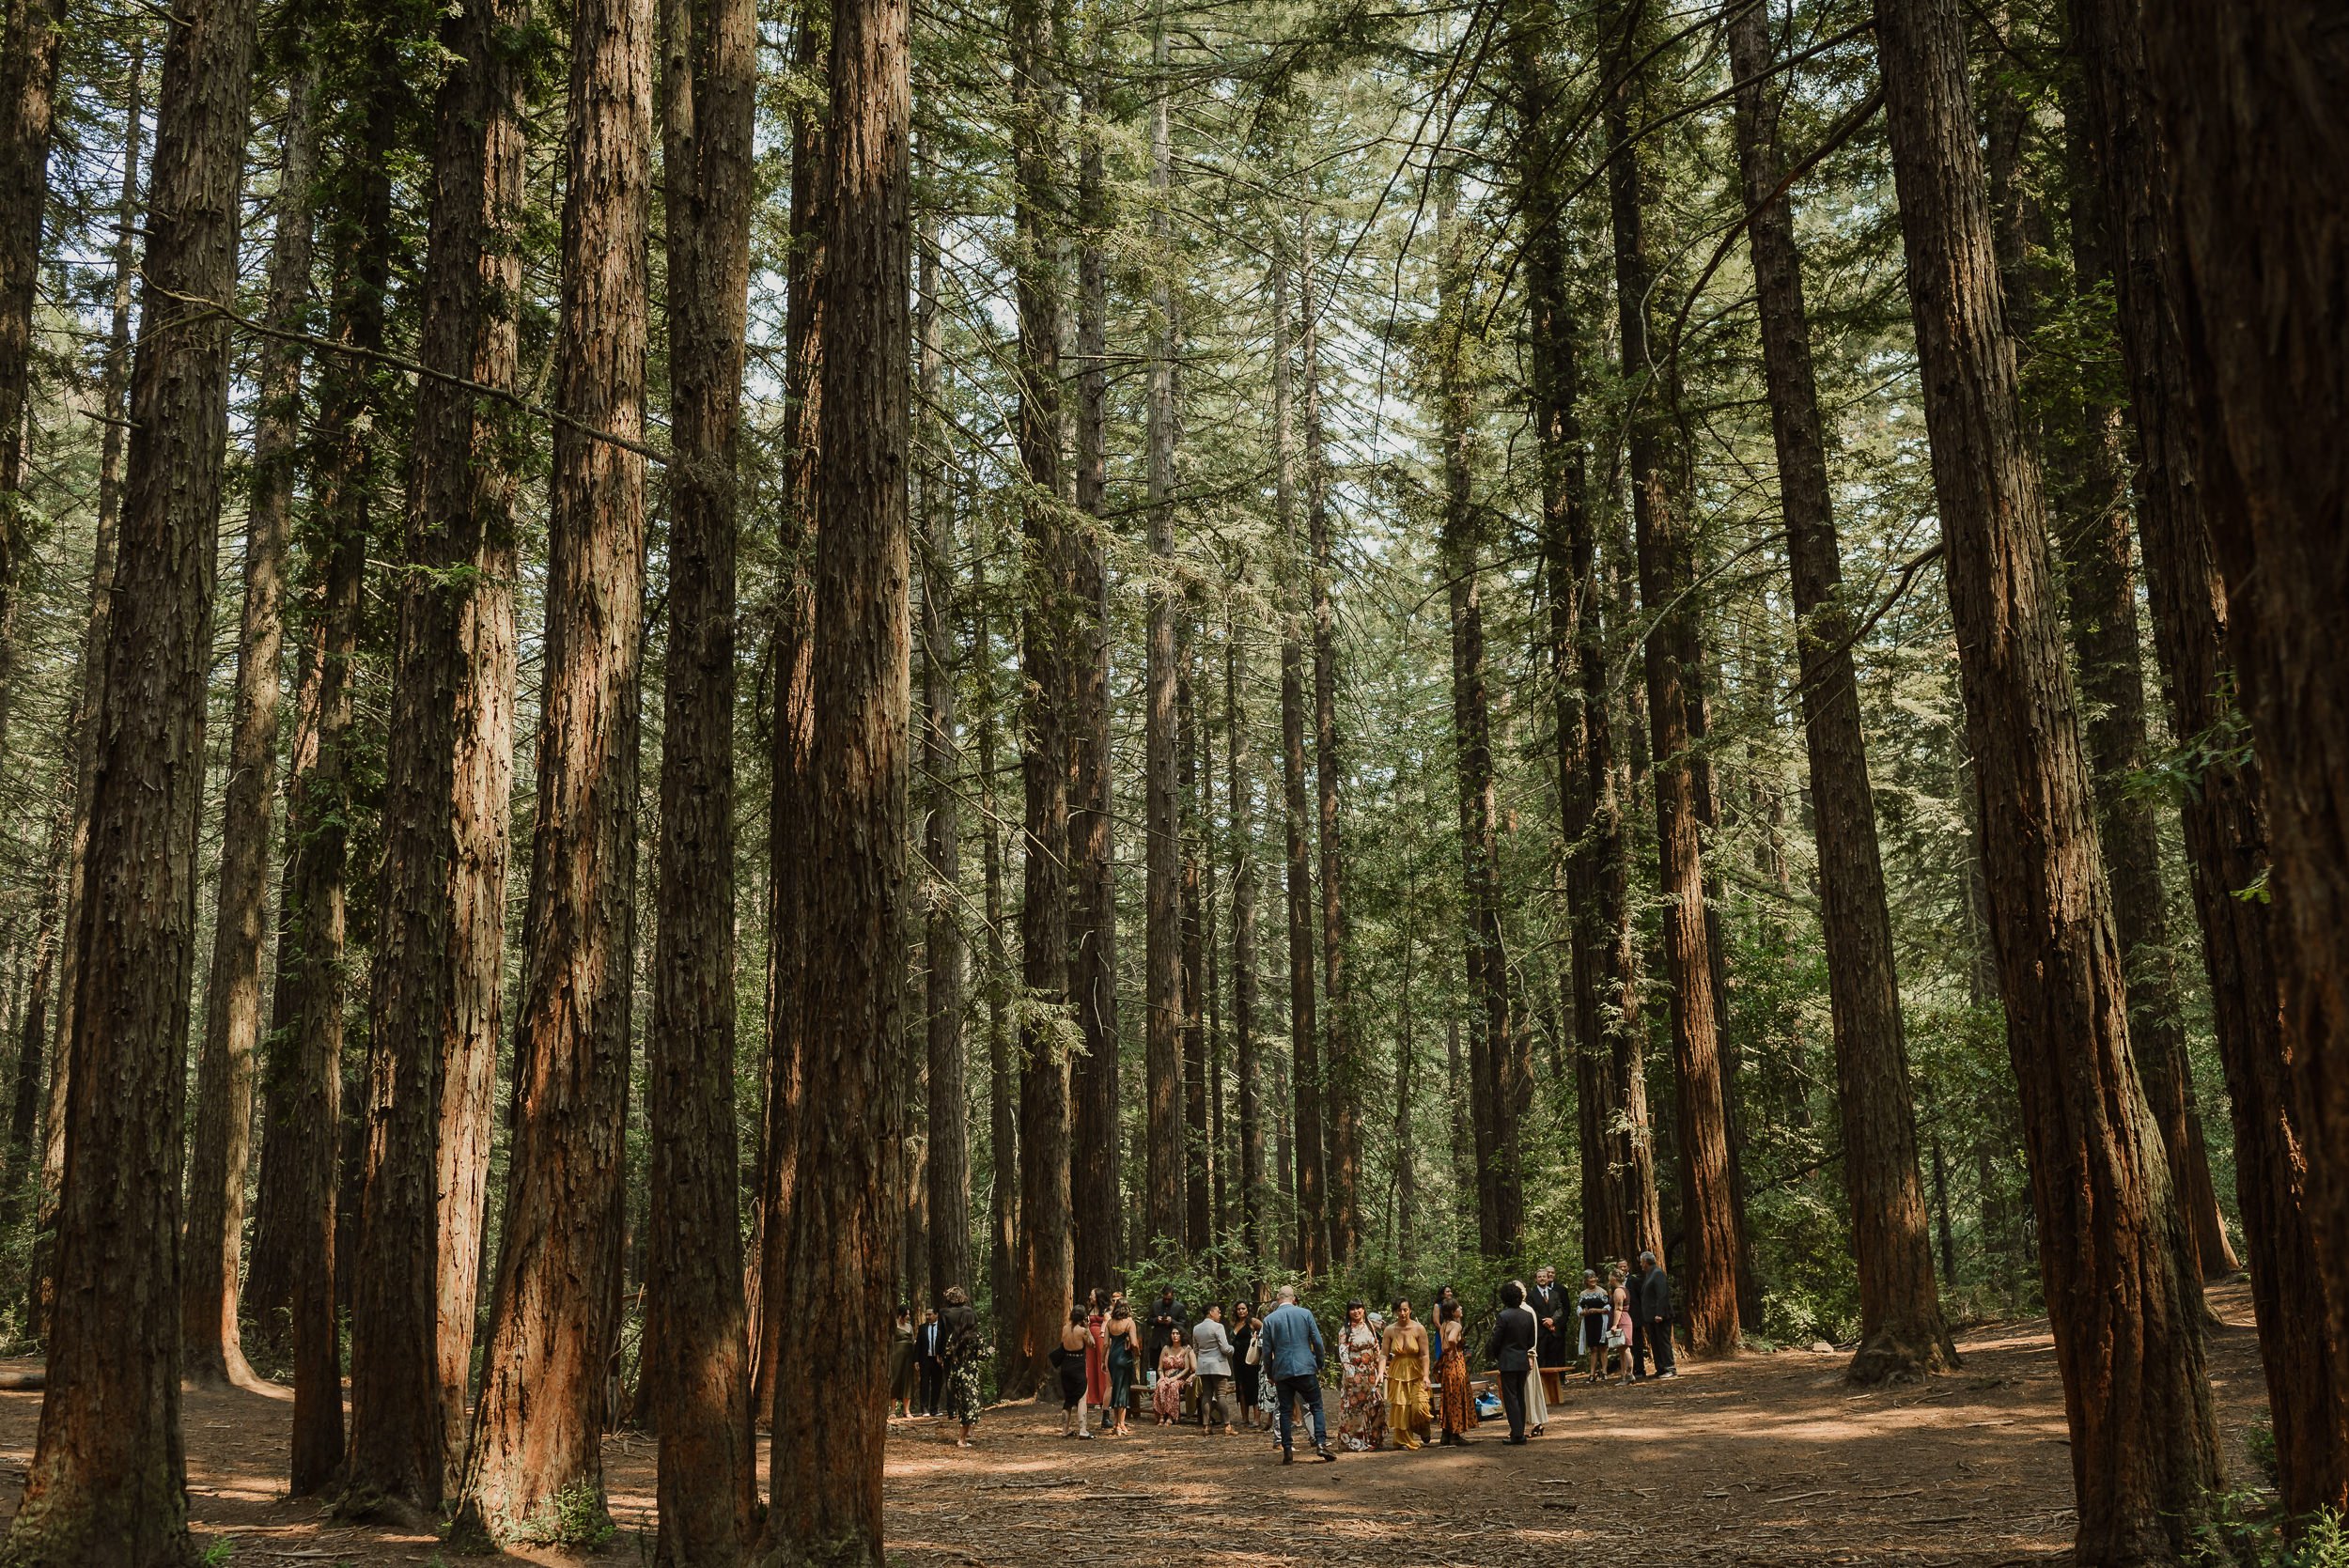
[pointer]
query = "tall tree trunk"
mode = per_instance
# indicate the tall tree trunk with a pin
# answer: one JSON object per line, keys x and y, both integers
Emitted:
{"x": 1002, "y": 1206}
{"x": 1500, "y": 1205}
{"x": 949, "y": 1100}
{"x": 1902, "y": 1331}
{"x": 1712, "y": 1220}
{"x": 1162, "y": 959}
{"x": 2126, "y": 1336}
{"x": 1093, "y": 979}
{"x": 695, "y": 1327}
{"x": 1197, "y": 1153}
{"x": 792, "y": 808}
{"x": 1247, "y": 1066}
{"x": 433, "y": 989}
{"x": 844, "y": 1241}
{"x": 108, "y": 1479}
{"x": 1046, "y": 1260}
{"x": 552, "y": 1317}
{"x": 1312, "y": 1233}
{"x": 2226, "y": 816}
{"x": 2261, "y": 325}
{"x": 1342, "y": 1069}
{"x": 33, "y": 1028}
{"x": 1619, "y": 1210}
{"x": 32, "y": 42}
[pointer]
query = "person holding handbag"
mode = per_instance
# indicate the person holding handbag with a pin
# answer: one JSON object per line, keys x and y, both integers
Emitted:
{"x": 1246, "y": 1374}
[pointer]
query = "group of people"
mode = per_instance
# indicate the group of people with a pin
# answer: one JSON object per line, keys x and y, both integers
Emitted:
{"x": 1402, "y": 1382}
{"x": 934, "y": 1364}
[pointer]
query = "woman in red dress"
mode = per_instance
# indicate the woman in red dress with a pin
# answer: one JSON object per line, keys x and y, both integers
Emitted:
{"x": 1097, "y": 1355}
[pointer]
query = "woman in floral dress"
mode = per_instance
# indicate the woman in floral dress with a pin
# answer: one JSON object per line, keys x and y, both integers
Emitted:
{"x": 1459, "y": 1404}
{"x": 1175, "y": 1366}
{"x": 1363, "y": 1399}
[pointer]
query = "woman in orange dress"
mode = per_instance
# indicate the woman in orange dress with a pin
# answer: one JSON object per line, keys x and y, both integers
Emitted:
{"x": 1458, "y": 1404}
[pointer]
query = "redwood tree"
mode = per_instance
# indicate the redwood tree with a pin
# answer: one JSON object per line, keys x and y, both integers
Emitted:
{"x": 2128, "y": 1339}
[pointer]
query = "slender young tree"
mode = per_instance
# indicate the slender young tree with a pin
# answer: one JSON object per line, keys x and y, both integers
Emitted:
{"x": 1713, "y": 1241}
{"x": 220, "y": 1145}
{"x": 552, "y": 1311}
{"x": 1162, "y": 854}
{"x": 32, "y": 44}
{"x": 2241, "y": 98}
{"x": 694, "y": 1328}
{"x": 108, "y": 1477}
{"x": 2125, "y": 1330}
{"x": 1198, "y": 1153}
{"x": 1003, "y": 1125}
{"x": 844, "y": 1251}
{"x": 1247, "y": 1066}
{"x": 1902, "y": 1331}
{"x": 1340, "y": 1066}
{"x": 2226, "y": 817}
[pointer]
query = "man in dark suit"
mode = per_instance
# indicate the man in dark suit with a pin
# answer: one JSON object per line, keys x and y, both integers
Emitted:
{"x": 1167, "y": 1315}
{"x": 929, "y": 1359}
{"x": 1652, "y": 1319}
{"x": 1547, "y": 1301}
{"x": 1511, "y": 1352}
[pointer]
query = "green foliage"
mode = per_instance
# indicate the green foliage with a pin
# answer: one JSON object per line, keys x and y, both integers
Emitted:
{"x": 573, "y": 1519}
{"x": 2246, "y": 1530}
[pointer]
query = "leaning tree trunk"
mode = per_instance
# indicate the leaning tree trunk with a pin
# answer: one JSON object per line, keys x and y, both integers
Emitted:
{"x": 1046, "y": 1260}
{"x": 2128, "y": 1339}
{"x": 1713, "y": 1244}
{"x": 1902, "y": 1331}
{"x": 2246, "y": 99}
{"x": 108, "y": 1479}
{"x": 844, "y": 1241}
{"x": 212, "y": 1351}
{"x": 694, "y": 1325}
{"x": 2226, "y": 817}
{"x": 552, "y": 1314}
{"x": 1091, "y": 837}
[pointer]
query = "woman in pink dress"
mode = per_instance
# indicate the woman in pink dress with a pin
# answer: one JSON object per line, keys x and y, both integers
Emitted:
{"x": 1175, "y": 1366}
{"x": 1097, "y": 1355}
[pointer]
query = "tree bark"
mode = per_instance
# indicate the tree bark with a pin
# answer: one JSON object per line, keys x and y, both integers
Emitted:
{"x": 1342, "y": 1071}
{"x": 1902, "y": 1331}
{"x": 1162, "y": 959}
{"x": 1046, "y": 1259}
{"x": 844, "y": 1233}
{"x": 2262, "y": 328}
{"x": 1712, "y": 1219}
{"x": 108, "y": 1479}
{"x": 2226, "y": 816}
{"x": 1246, "y": 1067}
{"x": 553, "y": 1315}
{"x": 1091, "y": 836}
{"x": 33, "y": 38}
{"x": 695, "y": 1331}
{"x": 1003, "y": 1217}
{"x": 2128, "y": 1339}
{"x": 1192, "y": 815}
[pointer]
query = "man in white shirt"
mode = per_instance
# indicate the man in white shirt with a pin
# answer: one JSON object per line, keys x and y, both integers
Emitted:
{"x": 1211, "y": 1343}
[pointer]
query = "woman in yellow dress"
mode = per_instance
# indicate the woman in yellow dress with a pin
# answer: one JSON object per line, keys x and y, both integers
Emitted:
{"x": 1405, "y": 1345}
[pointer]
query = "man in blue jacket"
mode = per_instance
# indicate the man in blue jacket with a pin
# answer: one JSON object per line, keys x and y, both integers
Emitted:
{"x": 1290, "y": 1353}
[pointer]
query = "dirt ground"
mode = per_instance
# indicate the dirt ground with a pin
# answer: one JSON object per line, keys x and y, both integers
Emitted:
{"x": 1766, "y": 1459}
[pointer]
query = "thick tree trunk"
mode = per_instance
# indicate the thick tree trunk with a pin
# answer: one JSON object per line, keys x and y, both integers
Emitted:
{"x": 1162, "y": 956}
{"x": 553, "y": 1315}
{"x": 32, "y": 41}
{"x": 108, "y": 1480}
{"x": 844, "y": 1240}
{"x": 2126, "y": 1334}
{"x": 1046, "y": 1259}
{"x": 1713, "y": 1244}
{"x": 949, "y": 1164}
{"x": 1197, "y": 1151}
{"x": 1342, "y": 1072}
{"x": 695, "y": 1330}
{"x": 432, "y": 1054}
{"x": 2226, "y": 816}
{"x": 791, "y": 807}
{"x": 1091, "y": 836}
{"x": 1003, "y": 1205}
{"x": 1902, "y": 1330}
{"x": 2246, "y": 102}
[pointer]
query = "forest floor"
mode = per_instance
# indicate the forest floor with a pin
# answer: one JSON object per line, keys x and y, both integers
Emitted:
{"x": 1765, "y": 1459}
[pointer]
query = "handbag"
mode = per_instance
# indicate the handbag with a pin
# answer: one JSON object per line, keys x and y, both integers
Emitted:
{"x": 1256, "y": 1351}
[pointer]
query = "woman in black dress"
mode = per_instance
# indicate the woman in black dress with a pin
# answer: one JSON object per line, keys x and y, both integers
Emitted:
{"x": 1247, "y": 1376}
